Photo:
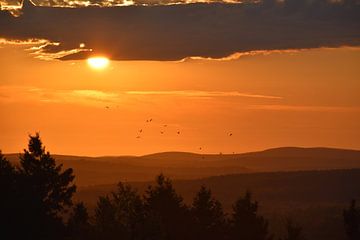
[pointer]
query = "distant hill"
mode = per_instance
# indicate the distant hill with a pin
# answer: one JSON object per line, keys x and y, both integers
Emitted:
{"x": 182, "y": 165}
{"x": 275, "y": 189}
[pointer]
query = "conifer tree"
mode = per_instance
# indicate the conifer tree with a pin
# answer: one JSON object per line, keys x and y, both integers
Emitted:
{"x": 352, "y": 221}
{"x": 246, "y": 224}
{"x": 167, "y": 208}
{"x": 293, "y": 231}
{"x": 78, "y": 224}
{"x": 208, "y": 215}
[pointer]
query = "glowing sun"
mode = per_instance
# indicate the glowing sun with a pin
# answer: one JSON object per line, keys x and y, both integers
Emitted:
{"x": 98, "y": 62}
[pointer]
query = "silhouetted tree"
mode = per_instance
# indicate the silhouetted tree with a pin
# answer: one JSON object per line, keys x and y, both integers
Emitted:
{"x": 8, "y": 199}
{"x": 78, "y": 224}
{"x": 106, "y": 224}
{"x": 44, "y": 179}
{"x": 6, "y": 169}
{"x": 122, "y": 215}
{"x": 40, "y": 193}
{"x": 7, "y": 177}
{"x": 246, "y": 224}
{"x": 293, "y": 231}
{"x": 352, "y": 221}
{"x": 166, "y": 207}
{"x": 208, "y": 215}
{"x": 129, "y": 209}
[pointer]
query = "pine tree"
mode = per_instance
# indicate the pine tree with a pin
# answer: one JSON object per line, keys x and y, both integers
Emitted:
{"x": 7, "y": 177}
{"x": 293, "y": 231}
{"x": 8, "y": 199}
{"x": 78, "y": 223}
{"x": 352, "y": 221}
{"x": 167, "y": 210}
{"x": 45, "y": 192}
{"x": 106, "y": 224}
{"x": 44, "y": 180}
{"x": 246, "y": 224}
{"x": 129, "y": 210}
{"x": 208, "y": 216}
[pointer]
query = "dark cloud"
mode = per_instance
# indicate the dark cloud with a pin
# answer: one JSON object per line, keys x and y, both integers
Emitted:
{"x": 174, "y": 32}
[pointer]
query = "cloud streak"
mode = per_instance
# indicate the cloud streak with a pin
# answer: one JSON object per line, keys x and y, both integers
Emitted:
{"x": 100, "y": 99}
{"x": 16, "y": 93}
{"x": 191, "y": 31}
{"x": 206, "y": 94}
{"x": 302, "y": 108}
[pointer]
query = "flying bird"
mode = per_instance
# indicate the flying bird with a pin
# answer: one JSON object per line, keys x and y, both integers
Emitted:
{"x": 140, "y": 131}
{"x": 137, "y": 136}
{"x": 230, "y": 134}
{"x": 178, "y": 132}
{"x": 161, "y": 132}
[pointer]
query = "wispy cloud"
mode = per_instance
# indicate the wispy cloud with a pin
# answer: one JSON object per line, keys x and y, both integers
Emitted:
{"x": 98, "y": 97}
{"x": 304, "y": 108}
{"x": 194, "y": 93}
{"x": 238, "y": 55}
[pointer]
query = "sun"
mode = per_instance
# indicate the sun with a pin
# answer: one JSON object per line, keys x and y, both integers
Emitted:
{"x": 98, "y": 62}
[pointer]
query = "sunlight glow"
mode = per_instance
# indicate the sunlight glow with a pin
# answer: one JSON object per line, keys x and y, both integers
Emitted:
{"x": 98, "y": 62}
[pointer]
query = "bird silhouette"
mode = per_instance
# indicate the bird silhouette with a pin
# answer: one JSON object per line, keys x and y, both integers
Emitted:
{"x": 178, "y": 132}
{"x": 161, "y": 132}
{"x": 137, "y": 136}
{"x": 140, "y": 131}
{"x": 230, "y": 134}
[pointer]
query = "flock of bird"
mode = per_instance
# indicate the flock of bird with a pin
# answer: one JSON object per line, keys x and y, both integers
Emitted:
{"x": 140, "y": 131}
{"x": 150, "y": 120}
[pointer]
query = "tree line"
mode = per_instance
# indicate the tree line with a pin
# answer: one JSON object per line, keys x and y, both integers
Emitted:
{"x": 37, "y": 203}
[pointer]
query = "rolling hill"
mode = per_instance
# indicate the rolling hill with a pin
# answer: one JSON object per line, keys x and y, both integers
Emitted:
{"x": 180, "y": 165}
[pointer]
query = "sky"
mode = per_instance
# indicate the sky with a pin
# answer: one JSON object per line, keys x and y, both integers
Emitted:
{"x": 217, "y": 80}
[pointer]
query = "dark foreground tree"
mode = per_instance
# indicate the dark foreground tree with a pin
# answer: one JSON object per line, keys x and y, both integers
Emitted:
{"x": 40, "y": 192}
{"x": 245, "y": 222}
{"x": 7, "y": 179}
{"x": 106, "y": 224}
{"x": 352, "y": 221}
{"x": 208, "y": 216}
{"x": 44, "y": 180}
{"x": 293, "y": 231}
{"x": 120, "y": 215}
{"x": 8, "y": 198}
{"x": 166, "y": 209}
{"x": 79, "y": 227}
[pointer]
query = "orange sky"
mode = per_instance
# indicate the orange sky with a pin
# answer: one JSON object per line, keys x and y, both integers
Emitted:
{"x": 305, "y": 98}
